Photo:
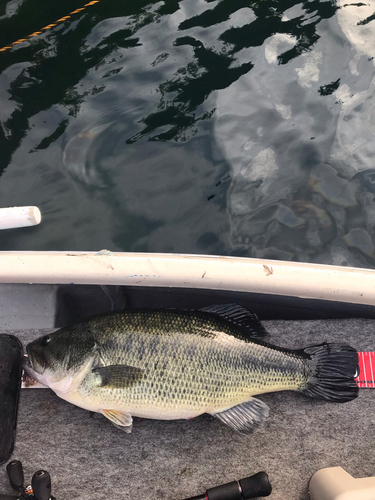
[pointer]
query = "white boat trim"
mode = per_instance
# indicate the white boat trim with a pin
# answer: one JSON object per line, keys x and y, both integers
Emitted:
{"x": 311, "y": 281}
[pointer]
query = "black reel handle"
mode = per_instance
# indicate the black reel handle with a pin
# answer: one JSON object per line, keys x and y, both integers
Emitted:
{"x": 41, "y": 485}
{"x": 15, "y": 474}
{"x": 40, "y": 488}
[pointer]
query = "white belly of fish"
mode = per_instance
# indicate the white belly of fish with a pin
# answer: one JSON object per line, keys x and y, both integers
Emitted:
{"x": 143, "y": 409}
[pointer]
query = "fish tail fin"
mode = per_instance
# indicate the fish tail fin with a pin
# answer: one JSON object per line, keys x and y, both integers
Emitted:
{"x": 332, "y": 369}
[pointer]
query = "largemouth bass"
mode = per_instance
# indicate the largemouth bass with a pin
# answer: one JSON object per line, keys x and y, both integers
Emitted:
{"x": 169, "y": 364}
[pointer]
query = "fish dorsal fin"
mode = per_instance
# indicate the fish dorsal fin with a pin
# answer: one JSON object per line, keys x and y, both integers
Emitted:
{"x": 246, "y": 417}
{"x": 246, "y": 321}
{"x": 118, "y": 376}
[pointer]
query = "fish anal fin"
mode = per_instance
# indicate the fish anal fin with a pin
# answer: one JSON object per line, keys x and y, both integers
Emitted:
{"x": 244, "y": 418}
{"x": 122, "y": 420}
{"x": 246, "y": 321}
{"x": 118, "y": 376}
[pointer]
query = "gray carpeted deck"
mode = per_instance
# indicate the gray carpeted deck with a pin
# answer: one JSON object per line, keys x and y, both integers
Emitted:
{"x": 89, "y": 458}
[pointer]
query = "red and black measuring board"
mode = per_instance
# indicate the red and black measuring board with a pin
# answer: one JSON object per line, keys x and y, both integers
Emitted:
{"x": 366, "y": 378}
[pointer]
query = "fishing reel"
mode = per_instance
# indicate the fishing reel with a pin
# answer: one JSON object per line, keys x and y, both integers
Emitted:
{"x": 40, "y": 488}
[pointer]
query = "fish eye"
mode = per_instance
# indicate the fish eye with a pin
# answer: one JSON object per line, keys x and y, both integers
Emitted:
{"x": 45, "y": 340}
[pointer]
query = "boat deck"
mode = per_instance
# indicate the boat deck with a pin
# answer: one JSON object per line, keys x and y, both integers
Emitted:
{"x": 88, "y": 457}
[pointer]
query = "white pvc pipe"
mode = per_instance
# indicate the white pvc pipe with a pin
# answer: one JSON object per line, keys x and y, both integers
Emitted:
{"x": 13, "y": 217}
{"x": 342, "y": 284}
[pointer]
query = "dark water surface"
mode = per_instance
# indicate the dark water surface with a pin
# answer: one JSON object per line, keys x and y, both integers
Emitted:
{"x": 231, "y": 127}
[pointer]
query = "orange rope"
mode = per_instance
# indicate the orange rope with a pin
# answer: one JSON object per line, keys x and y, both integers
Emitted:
{"x": 61, "y": 20}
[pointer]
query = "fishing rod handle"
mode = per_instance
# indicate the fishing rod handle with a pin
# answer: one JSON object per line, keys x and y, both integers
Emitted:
{"x": 254, "y": 486}
{"x": 228, "y": 491}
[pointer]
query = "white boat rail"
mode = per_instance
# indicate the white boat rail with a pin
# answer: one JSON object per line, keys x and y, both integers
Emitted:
{"x": 313, "y": 281}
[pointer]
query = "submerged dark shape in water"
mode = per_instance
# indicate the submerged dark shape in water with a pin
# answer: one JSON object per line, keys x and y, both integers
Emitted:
{"x": 76, "y": 157}
{"x": 170, "y": 364}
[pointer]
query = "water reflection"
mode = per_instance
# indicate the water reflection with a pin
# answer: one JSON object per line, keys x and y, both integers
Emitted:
{"x": 291, "y": 198}
{"x": 231, "y": 127}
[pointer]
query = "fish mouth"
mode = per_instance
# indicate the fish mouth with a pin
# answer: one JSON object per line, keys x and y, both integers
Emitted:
{"x": 33, "y": 362}
{"x": 27, "y": 365}
{"x": 29, "y": 376}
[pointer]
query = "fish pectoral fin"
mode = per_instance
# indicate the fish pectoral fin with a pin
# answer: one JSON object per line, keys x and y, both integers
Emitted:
{"x": 246, "y": 417}
{"x": 122, "y": 420}
{"x": 247, "y": 322}
{"x": 118, "y": 376}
